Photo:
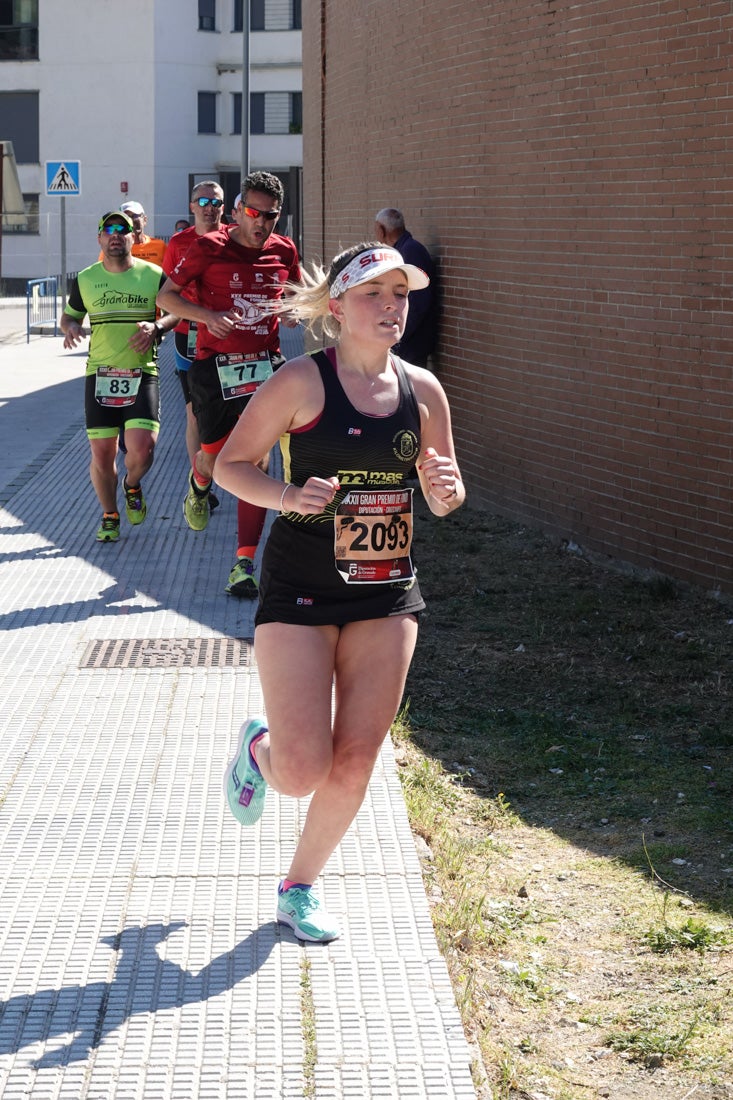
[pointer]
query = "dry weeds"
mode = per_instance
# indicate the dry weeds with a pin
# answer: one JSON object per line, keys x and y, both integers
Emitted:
{"x": 566, "y": 759}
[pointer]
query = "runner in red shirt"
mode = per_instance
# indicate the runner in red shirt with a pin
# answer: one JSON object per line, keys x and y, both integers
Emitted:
{"x": 207, "y": 208}
{"x": 237, "y": 271}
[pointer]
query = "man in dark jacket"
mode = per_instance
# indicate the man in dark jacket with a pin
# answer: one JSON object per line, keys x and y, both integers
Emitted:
{"x": 420, "y": 333}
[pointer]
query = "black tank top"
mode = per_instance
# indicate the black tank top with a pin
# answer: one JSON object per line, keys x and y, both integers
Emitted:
{"x": 358, "y": 449}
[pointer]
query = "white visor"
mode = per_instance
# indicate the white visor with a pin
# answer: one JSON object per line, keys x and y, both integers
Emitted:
{"x": 372, "y": 263}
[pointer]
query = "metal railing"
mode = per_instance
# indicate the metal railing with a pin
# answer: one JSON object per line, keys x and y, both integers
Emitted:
{"x": 41, "y": 305}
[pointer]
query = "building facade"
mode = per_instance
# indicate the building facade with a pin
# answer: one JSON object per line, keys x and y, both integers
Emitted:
{"x": 148, "y": 99}
{"x": 569, "y": 165}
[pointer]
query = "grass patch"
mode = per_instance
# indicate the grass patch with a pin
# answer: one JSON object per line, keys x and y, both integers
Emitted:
{"x": 565, "y": 756}
{"x": 652, "y": 1047}
{"x": 308, "y": 1016}
{"x": 692, "y": 934}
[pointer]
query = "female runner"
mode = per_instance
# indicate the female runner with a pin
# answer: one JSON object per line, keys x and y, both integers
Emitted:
{"x": 339, "y": 598}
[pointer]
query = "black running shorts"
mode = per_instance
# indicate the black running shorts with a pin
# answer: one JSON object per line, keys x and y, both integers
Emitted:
{"x": 299, "y": 583}
{"x": 183, "y": 379}
{"x": 215, "y": 416}
{"x": 105, "y": 421}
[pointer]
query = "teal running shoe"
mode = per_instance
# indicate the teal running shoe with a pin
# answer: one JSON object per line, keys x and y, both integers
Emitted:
{"x": 243, "y": 783}
{"x": 301, "y": 910}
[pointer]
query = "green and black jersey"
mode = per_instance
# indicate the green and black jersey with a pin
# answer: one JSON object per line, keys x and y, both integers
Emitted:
{"x": 115, "y": 302}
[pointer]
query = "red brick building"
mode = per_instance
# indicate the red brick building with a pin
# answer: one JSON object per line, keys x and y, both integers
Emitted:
{"x": 570, "y": 165}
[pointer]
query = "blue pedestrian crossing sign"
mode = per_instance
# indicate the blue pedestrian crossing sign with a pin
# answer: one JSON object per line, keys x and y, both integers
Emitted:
{"x": 63, "y": 177}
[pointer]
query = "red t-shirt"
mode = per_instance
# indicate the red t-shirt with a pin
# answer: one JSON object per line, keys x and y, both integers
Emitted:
{"x": 228, "y": 276}
{"x": 177, "y": 247}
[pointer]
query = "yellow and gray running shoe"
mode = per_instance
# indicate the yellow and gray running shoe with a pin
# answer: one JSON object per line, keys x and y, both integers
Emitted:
{"x": 242, "y": 581}
{"x": 135, "y": 507}
{"x": 196, "y": 506}
{"x": 109, "y": 528}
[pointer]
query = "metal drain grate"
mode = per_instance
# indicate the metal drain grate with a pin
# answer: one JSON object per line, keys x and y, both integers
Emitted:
{"x": 169, "y": 653}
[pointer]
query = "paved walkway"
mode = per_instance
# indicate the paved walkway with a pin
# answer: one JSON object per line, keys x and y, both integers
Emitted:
{"x": 139, "y": 957}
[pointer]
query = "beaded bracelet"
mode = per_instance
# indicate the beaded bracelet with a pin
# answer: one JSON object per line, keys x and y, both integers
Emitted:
{"x": 282, "y": 497}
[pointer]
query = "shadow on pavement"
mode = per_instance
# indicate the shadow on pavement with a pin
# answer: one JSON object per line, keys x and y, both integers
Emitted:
{"x": 143, "y": 982}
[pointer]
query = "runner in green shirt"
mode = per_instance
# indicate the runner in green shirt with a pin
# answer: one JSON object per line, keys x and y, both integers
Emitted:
{"x": 118, "y": 296}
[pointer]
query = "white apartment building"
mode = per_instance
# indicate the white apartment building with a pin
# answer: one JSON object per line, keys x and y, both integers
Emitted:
{"x": 147, "y": 97}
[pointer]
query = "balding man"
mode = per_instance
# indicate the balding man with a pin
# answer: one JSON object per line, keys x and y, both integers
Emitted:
{"x": 418, "y": 340}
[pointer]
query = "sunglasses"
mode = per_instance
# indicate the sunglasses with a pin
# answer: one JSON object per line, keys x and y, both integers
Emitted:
{"x": 268, "y": 215}
{"x": 111, "y": 230}
{"x": 216, "y": 203}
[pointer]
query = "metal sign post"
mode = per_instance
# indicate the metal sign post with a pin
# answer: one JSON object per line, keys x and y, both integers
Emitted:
{"x": 63, "y": 253}
{"x": 245, "y": 92}
{"x": 63, "y": 178}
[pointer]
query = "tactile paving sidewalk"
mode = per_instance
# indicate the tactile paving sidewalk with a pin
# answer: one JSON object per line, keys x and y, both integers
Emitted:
{"x": 139, "y": 957}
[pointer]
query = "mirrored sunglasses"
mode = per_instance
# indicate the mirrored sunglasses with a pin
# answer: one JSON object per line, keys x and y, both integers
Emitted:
{"x": 216, "y": 203}
{"x": 113, "y": 228}
{"x": 268, "y": 215}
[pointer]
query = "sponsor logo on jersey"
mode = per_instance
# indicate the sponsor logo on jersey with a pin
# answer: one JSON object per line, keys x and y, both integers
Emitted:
{"x": 249, "y": 311}
{"x": 368, "y": 477}
{"x": 120, "y": 298}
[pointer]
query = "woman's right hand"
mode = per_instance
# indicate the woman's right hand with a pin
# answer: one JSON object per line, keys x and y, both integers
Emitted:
{"x": 313, "y": 497}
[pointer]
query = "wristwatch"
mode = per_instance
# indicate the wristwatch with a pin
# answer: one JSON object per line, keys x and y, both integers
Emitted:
{"x": 159, "y": 331}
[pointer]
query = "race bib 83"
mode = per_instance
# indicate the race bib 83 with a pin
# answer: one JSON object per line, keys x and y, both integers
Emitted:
{"x": 117, "y": 387}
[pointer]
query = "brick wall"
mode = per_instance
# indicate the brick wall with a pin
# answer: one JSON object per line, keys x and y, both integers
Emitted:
{"x": 569, "y": 164}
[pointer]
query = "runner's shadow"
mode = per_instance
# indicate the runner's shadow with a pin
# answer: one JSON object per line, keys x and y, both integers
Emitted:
{"x": 143, "y": 982}
{"x": 110, "y": 601}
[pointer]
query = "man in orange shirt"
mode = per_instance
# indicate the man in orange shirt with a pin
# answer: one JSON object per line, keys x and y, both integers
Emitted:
{"x": 147, "y": 248}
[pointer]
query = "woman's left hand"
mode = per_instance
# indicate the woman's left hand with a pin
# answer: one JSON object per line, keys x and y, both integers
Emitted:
{"x": 441, "y": 475}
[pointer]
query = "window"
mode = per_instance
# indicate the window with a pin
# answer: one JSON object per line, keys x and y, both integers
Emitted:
{"x": 207, "y": 15}
{"x": 270, "y": 113}
{"x": 27, "y": 222}
{"x": 19, "y": 124}
{"x": 207, "y": 112}
{"x": 275, "y": 113}
{"x": 18, "y": 30}
{"x": 31, "y": 206}
{"x": 30, "y": 202}
{"x": 296, "y": 113}
{"x": 257, "y": 15}
{"x": 232, "y": 184}
{"x": 257, "y": 113}
{"x": 269, "y": 15}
